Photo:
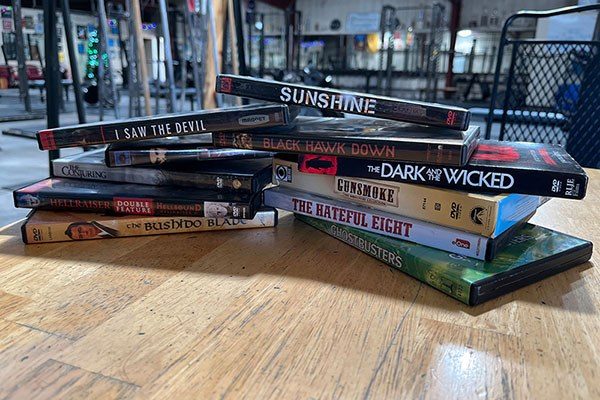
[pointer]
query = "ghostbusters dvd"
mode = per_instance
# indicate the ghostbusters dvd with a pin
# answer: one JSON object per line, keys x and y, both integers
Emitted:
{"x": 533, "y": 254}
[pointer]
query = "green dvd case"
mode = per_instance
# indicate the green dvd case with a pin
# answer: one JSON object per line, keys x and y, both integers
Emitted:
{"x": 533, "y": 254}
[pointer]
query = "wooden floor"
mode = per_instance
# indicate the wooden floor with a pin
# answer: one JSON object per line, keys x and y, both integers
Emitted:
{"x": 285, "y": 313}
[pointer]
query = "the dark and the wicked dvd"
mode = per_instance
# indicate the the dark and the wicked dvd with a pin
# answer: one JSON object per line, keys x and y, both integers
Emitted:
{"x": 173, "y": 150}
{"x": 133, "y": 199}
{"x": 234, "y": 118}
{"x": 359, "y": 137}
{"x": 532, "y": 255}
{"x": 344, "y": 101}
{"x": 494, "y": 167}
{"x": 250, "y": 175}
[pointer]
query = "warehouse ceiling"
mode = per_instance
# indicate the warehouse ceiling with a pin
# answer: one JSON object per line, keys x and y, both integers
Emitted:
{"x": 86, "y": 5}
{"x": 79, "y": 5}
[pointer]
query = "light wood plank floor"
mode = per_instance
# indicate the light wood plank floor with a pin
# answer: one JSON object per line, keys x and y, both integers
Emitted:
{"x": 285, "y": 313}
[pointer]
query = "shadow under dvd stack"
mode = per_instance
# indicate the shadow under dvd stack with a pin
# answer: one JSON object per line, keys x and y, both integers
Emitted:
{"x": 87, "y": 199}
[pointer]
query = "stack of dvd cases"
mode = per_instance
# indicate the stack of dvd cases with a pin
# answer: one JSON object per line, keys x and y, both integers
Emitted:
{"x": 410, "y": 183}
{"x": 158, "y": 175}
{"x": 415, "y": 186}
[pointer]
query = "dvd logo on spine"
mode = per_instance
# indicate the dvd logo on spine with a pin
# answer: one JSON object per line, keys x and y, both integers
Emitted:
{"x": 462, "y": 243}
{"x": 258, "y": 119}
{"x": 283, "y": 173}
{"x": 226, "y": 84}
{"x": 137, "y": 206}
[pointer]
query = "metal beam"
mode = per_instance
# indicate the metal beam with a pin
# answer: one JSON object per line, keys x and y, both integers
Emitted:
{"x": 192, "y": 15}
{"x": 454, "y": 25}
{"x": 164, "y": 22}
{"x": 141, "y": 54}
{"x": 132, "y": 66}
{"x": 261, "y": 47}
{"x": 215, "y": 42}
{"x": 23, "y": 84}
{"x": 66, "y": 11}
{"x": 105, "y": 49}
{"x": 239, "y": 33}
{"x": 52, "y": 72}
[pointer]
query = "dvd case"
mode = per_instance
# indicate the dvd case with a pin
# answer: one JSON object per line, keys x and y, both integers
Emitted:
{"x": 98, "y": 133}
{"x": 373, "y": 139}
{"x": 412, "y": 230}
{"x": 52, "y": 226}
{"x": 486, "y": 215}
{"x": 173, "y": 150}
{"x": 134, "y": 199}
{"x": 344, "y": 101}
{"x": 495, "y": 167}
{"x": 250, "y": 175}
{"x": 532, "y": 255}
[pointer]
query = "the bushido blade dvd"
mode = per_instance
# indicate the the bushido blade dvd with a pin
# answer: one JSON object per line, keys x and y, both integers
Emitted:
{"x": 359, "y": 137}
{"x": 495, "y": 167}
{"x": 250, "y": 175}
{"x": 173, "y": 151}
{"x": 44, "y": 226}
{"x": 344, "y": 101}
{"x": 133, "y": 199}
{"x": 399, "y": 227}
{"x": 234, "y": 118}
{"x": 532, "y": 255}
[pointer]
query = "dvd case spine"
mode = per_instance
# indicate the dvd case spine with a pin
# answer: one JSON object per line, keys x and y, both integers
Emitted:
{"x": 150, "y": 157}
{"x": 414, "y": 151}
{"x": 153, "y": 176}
{"x": 376, "y": 221}
{"x": 342, "y": 101}
{"x": 38, "y": 229}
{"x": 483, "y": 215}
{"x": 397, "y": 255}
{"x": 129, "y": 205}
{"x": 163, "y": 126}
{"x": 469, "y": 178}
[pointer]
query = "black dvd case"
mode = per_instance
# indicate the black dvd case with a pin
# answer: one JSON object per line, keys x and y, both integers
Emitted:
{"x": 359, "y": 137}
{"x": 344, "y": 101}
{"x": 173, "y": 150}
{"x": 133, "y": 199}
{"x": 495, "y": 167}
{"x": 250, "y": 175}
{"x": 98, "y": 133}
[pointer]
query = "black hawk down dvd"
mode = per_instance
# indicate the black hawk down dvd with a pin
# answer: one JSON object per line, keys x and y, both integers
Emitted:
{"x": 374, "y": 139}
